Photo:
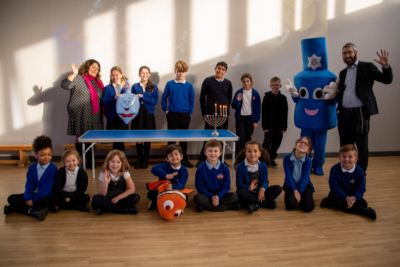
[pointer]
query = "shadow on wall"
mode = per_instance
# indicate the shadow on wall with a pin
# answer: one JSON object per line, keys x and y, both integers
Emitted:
{"x": 55, "y": 116}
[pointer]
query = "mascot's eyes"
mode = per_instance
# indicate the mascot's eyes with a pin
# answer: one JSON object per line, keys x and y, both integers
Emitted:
{"x": 177, "y": 213}
{"x": 168, "y": 205}
{"x": 318, "y": 94}
{"x": 303, "y": 92}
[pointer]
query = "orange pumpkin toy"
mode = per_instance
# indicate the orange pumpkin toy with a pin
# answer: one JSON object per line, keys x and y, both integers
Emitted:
{"x": 170, "y": 203}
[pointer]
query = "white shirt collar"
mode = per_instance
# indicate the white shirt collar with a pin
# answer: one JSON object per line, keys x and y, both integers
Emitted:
{"x": 176, "y": 168}
{"x": 75, "y": 171}
{"x": 117, "y": 85}
{"x": 184, "y": 81}
{"x": 349, "y": 171}
{"x": 246, "y": 163}
{"x": 219, "y": 80}
{"x": 115, "y": 178}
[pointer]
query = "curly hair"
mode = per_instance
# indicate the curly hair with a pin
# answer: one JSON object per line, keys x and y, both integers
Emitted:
{"x": 42, "y": 142}
{"x": 125, "y": 164}
{"x": 84, "y": 67}
{"x": 172, "y": 148}
{"x": 264, "y": 153}
{"x": 181, "y": 66}
{"x": 123, "y": 78}
{"x": 149, "y": 85}
{"x": 68, "y": 153}
{"x": 309, "y": 144}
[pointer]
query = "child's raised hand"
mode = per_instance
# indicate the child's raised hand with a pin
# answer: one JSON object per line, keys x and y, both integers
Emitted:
{"x": 116, "y": 96}
{"x": 215, "y": 200}
{"x": 239, "y": 97}
{"x": 29, "y": 203}
{"x": 253, "y": 185}
{"x": 171, "y": 175}
{"x": 139, "y": 95}
{"x": 297, "y": 196}
{"x": 261, "y": 195}
{"x": 67, "y": 199}
{"x": 107, "y": 177}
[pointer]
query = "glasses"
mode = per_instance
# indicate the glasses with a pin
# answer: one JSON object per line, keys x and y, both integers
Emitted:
{"x": 347, "y": 53}
{"x": 275, "y": 84}
{"x": 303, "y": 143}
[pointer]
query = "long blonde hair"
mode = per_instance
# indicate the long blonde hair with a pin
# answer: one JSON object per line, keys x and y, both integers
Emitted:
{"x": 123, "y": 78}
{"x": 125, "y": 164}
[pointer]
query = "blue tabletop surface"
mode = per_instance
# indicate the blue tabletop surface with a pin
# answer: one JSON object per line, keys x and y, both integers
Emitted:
{"x": 156, "y": 135}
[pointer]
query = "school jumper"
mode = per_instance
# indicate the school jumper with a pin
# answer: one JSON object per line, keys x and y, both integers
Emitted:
{"x": 214, "y": 181}
{"x": 114, "y": 122}
{"x": 243, "y": 181}
{"x": 78, "y": 198}
{"x": 304, "y": 185}
{"x": 178, "y": 100}
{"x": 42, "y": 186}
{"x": 244, "y": 123}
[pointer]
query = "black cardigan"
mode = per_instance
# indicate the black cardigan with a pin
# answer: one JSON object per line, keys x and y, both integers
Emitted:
{"x": 60, "y": 179}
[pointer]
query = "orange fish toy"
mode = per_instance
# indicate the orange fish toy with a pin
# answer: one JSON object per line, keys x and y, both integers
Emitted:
{"x": 170, "y": 203}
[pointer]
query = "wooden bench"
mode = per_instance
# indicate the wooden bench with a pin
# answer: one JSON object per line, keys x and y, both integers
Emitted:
{"x": 23, "y": 153}
{"x": 108, "y": 146}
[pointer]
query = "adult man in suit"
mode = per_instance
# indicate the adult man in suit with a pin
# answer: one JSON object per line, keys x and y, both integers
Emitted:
{"x": 356, "y": 99}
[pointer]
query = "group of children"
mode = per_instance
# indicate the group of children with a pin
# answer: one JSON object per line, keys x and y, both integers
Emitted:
{"x": 47, "y": 188}
{"x": 178, "y": 103}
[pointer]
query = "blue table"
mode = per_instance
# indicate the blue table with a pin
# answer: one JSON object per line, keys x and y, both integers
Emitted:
{"x": 157, "y": 136}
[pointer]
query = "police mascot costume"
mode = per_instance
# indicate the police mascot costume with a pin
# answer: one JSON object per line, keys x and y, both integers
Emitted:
{"x": 315, "y": 94}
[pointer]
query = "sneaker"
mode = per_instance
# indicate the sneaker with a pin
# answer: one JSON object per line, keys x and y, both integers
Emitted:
{"x": 200, "y": 208}
{"x": 198, "y": 163}
{"x": 272, "y": 205}
{"x": 101, "y": 212}
{"x": 370, "y": 213}
{"x": 273, "y": 164}
{"x": 132, "y": 210}
{"x": 8, "y": 209}
{"x": 152, "y": 205}
{"x": 187, "y": 164}
{"x": 252, "y": 208}
{"x": 41, "y": 215}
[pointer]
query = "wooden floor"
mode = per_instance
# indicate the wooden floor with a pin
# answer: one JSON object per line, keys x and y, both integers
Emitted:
{"x": 324, "y": 237}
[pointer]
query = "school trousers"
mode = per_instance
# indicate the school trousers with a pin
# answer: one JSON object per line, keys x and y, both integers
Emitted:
{"x": 105, "y": 203}
{"x": 306, "y": 202}
{"x": 271, "y": 193}
{"x": 229, "y": 199}
{"x": 338, "y": 202}
{"x": 73, "y": 204}
{"x": 18, "y": 204}
{"x": 181, "y": 121}
{"x": 244, "y": 129}
{"x": 272, "y": 142}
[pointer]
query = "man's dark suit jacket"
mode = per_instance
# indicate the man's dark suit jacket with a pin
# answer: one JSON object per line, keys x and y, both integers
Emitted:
{"x": 367, "y": 73}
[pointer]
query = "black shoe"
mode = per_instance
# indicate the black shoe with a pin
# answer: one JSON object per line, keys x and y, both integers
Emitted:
{"x": 200, "y": 208}
{"x": 252, "y": 208}
{"x": 138, "y": 163}
{"x": 273, "y": 164}
{"x": 152, "y": 205}
{"x": 54, "y": 208}
{"x": 84, "y": 208}
{"x": 370, "y": 213}
{"x": 322, "y": 204}
{"x": 144, "y": 163}
{"x": 187, "y": 164}
{"x": 8, "y": 209}
{"x": 101, "y": 212}
{"x": 41, "y": 215}
{"x": 221, "y": 208}
{"x": 199, "y": 163}
{"x": 235, "y": 206}
{"x": 272, "y": 205}
{"x": 132, "y": 210}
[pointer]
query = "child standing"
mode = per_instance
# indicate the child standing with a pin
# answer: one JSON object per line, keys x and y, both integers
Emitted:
{"x": 39, "y": 182}
{"x": 180, "y": 94}
{"x": 70, "y": 184}
{"x": 274, "y": 118}
{"x": 298, "y": 187}
{"x": 248, "y": 108}
{"x": 347, "y": 184}
{"x": 171, "y": 170}
{"x": 147, "y": 92}
{"x": 118, "y": 85}
{"x": 213, "y": 182}
{"x": 252, "y": 178}
{"x": 116, "y": 189}
{"x": 215, "y": 90}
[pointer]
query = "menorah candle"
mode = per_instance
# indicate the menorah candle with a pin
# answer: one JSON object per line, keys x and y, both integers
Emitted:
{"x": 215, "y": 108}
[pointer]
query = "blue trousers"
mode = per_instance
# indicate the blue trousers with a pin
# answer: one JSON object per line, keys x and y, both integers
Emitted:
{"x": 318, "y": 140}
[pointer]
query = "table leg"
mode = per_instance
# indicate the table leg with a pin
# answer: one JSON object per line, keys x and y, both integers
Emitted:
{"x": 223, "y": 151}
{"x": 83, "y": 156}
{"x": 93, "y": 163}
{"x": 233, "y": 164}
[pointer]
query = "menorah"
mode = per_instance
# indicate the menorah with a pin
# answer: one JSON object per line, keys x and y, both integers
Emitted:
{"x": 217, "y": 120}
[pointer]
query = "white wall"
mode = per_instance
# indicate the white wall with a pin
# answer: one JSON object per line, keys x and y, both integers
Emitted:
{"x": 39, "y": 39}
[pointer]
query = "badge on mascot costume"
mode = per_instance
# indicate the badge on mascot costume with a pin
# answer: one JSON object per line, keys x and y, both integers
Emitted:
{"x": 127, "y": 106}
{"x": 315, "y": 95}
{"x": 170, "y": 203}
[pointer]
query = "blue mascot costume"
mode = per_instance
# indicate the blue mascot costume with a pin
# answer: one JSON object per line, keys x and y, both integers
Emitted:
{"x": 315, "y": 95}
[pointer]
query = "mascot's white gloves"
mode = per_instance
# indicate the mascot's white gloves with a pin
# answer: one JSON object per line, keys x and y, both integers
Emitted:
{"x": 291, "y": 89}
{"x": 331, "y": 89}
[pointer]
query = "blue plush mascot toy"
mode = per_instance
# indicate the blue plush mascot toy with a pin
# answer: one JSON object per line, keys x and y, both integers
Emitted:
{"x": 315, "y": 95}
